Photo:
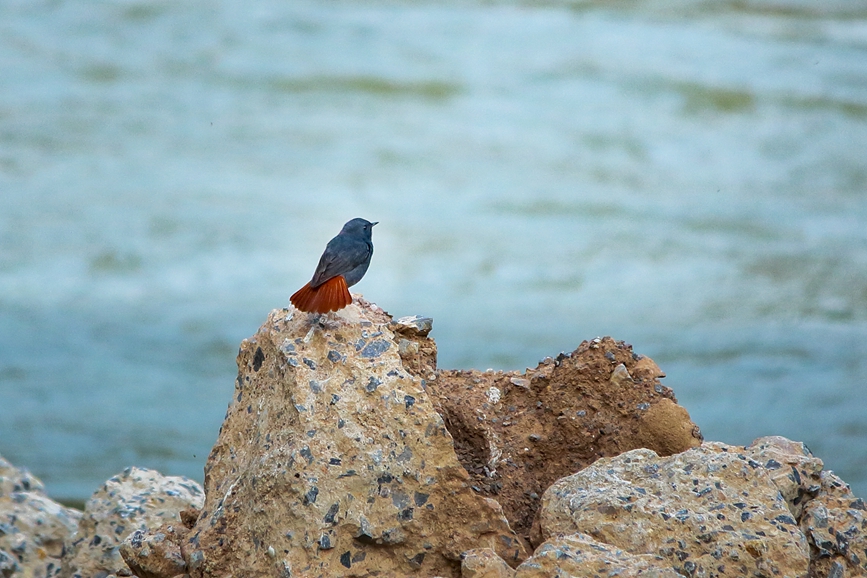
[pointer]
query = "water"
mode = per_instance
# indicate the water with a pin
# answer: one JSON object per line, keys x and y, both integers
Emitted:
{"x": 689, "y": 177}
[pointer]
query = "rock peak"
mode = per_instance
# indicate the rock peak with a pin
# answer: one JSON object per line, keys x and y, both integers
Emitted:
{"x": 332, "y": 449}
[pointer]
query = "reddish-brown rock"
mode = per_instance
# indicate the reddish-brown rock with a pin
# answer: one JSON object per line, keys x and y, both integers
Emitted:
{"x": 517, "y": 433}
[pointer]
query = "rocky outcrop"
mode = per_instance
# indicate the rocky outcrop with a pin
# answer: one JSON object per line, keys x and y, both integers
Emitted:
{"x": 332, "y": 461}
{"x": 136, "y": 499}
{"x": 32, "y": 526}
{"x": 517, "y": 433}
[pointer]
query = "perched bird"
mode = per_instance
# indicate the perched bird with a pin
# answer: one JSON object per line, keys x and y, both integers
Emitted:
{"x": 342, "y": 265}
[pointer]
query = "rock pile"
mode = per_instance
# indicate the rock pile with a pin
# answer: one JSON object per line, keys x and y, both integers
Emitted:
{"x": 345, "y": 452}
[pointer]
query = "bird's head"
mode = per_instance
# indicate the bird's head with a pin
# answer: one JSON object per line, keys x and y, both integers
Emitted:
{"x": 358, "y": 227}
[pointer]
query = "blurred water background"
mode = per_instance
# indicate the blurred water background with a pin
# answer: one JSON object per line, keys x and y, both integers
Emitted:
{"x": 688, "y": 176}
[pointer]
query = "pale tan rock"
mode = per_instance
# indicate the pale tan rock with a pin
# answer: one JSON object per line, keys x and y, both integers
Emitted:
{"x": 33, "y": 527}
{"x": 580, "y": 556}
{"x": 710, "y": 511}
{"x": 332, "y": 462}
{"x": 14, "y": 479}
{"x": 835, "y": 522}
{"x": 793, "y": 467}
{"x": 133, "y": 500}
{"x": 667, "y": 429}
{"x": 484, "y": 563}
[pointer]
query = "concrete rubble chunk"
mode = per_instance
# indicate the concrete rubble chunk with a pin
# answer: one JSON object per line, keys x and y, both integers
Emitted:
{"x": 835, "y": 522}
{"x": 135, "y": 499}
{"x": 792, "y": 467}
{"x": 332, "y": 461}
{"x": 415, "y": 324}
{"x": 33, "y": 527}
{"x": 709, "y": 511}
{"x": 484, "y": 563}
{"x": 153, "y": 553}
{"x": 580, "y": 556}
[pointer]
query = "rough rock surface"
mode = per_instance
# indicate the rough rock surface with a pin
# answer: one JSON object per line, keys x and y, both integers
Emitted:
{"x": 32, "y": 526}
{"x": 580, "y": 556}
{"x": 835, "y": 522}
{"x": 484, "y": 563}
{"x": 792, "y": 467}
{"x": 710, "y": 511}
{"x": 517, "y": 433}
{"x": 333, "y": 462}
{"x": 133, "y": 500}
{"x": 153, "y": 553}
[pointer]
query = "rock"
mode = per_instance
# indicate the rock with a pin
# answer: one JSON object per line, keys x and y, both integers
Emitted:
{"x": 580, "y": 556}
{"x": 8, "y": 565}
{"x": 517, "y": 433}
{"x": 484, "y": 563}
{"x": 154, "y": 553}
{"x": 32, "y": 526}
{"x": 333, "y": 462}
{"x": 414, "y": 324}
{"x": 134, "y": 500}
{"x": 835, "y": 522}
{"x": 14, "y": 480}
{"x": 709, "y": 511}
{"x": 792, "y": 467}
{"x": 417, "y": 351}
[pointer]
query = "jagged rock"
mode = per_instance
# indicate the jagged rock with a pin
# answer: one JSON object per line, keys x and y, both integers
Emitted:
{"x": 835, "y": 522}
{"x": 709, "y": 511}
{"x": 133, "y": 500}
{"x": 580, "y": 556}
{"x": 794, "y": 469}
{"x": 32, "y": 526}
{"x": 417, "y": 351}
{"x": 332, "y": 462}
{"x": 484, "y": 563}
{"x": 155, "y": 553}
{"x": 517, "y": 433}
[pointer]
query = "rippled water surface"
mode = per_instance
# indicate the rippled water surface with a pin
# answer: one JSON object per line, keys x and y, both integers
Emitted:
{"x": 690, "y": 177}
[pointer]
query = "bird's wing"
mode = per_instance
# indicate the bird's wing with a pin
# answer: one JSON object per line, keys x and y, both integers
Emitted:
{"x": 340, "y": 257}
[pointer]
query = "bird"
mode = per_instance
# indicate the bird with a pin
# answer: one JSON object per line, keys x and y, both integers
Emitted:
{"x": 342, "y": 265}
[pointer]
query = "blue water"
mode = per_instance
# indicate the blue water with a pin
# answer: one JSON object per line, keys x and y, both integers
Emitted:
{"x": 690, "y": 177}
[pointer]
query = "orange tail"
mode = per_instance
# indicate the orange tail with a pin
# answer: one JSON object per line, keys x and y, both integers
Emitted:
{"x": 332, "y": 295}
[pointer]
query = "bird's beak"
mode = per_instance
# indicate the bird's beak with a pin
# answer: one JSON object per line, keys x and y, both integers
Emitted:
{"x": 376, "y": 223}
